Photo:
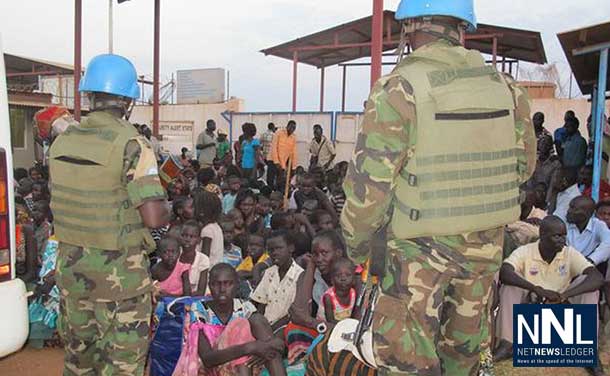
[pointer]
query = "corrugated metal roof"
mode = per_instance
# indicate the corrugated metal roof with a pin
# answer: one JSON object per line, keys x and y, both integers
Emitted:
{"x": 517, "y": 44}
{"x": 16, "y": 63}
{"x": 585, "y": 67}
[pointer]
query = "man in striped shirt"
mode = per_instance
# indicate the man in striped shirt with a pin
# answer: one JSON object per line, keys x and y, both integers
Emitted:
{"x": 266, "y": 142}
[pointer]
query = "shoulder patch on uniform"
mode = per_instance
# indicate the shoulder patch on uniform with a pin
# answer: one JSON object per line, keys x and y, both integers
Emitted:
{"x": 147, "y": 163}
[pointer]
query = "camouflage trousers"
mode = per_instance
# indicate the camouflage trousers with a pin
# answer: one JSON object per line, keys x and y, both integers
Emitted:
{"x": 433, "y": 315}
{"x": 105, "y": 338}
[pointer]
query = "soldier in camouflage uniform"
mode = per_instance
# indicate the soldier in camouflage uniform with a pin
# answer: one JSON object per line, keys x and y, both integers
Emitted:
{"x": 106, "y": 193}
{"x": 444, "y": 144}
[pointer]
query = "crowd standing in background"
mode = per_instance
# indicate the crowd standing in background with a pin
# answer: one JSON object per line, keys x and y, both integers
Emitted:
{"x": 273, "y": 263}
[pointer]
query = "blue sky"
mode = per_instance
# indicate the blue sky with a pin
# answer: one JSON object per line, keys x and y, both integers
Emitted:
{"x": 229, "y": 34}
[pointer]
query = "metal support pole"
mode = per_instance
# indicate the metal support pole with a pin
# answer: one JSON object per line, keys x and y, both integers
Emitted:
{"x": 110, "y": 26}
{"x": 228, "y": 84}
{"x": 295, "y": 63}
{"x": 593, "y": 107}
{"x": 78, "y": 17}
{"x": 322, "y": 89}
{"x": 494, "y": 52}
{"x": 156, "y": 68}
{"x": 376, "y": 41}
{"x": 343, "y": 89}
{"x": 504, "y": 64}
{"x": 599, "y": 121}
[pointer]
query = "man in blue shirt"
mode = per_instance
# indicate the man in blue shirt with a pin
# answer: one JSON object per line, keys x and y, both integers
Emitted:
{"x": 587, "y": 234}
{"x": 574, "y": 146}
{"x": 560, "y": 133}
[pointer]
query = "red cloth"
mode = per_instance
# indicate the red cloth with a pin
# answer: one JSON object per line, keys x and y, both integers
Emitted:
{"x": 45, "y": 118}
{"x": 604, "y": 191}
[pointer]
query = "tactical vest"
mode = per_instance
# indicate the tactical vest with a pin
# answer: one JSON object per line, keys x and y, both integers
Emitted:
{"x": 90, "y": 204}
{"x": 462, "y": 176}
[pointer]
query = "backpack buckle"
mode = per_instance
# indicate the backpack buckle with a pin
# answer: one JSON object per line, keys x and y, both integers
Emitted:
{"x": 414, "y": 215}
{"x": 412, "y": 180}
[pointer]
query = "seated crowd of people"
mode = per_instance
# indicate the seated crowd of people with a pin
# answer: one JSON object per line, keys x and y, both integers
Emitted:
{"x": 273, "y": 266}
{"x": 559, "y": 249}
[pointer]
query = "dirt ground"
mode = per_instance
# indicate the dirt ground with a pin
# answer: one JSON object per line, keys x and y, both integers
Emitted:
{"x": 33, "y": 362}
{"x": 49, "y": 362}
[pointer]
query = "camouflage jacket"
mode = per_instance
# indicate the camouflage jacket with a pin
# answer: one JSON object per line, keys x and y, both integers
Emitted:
{"x": 386, "y": 140}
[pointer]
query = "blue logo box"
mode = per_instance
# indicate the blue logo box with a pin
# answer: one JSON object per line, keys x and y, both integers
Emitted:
{"x": 554, "y": 335}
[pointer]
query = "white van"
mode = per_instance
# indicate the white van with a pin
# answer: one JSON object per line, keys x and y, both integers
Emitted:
{"x": 14, "y": 322}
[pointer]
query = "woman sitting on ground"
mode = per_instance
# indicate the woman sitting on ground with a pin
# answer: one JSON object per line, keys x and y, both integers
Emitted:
{"x": 327, "y": 248}
{"x": 232, "y": 338}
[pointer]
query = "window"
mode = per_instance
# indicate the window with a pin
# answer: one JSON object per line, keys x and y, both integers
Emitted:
{"x": 17, "y": 120}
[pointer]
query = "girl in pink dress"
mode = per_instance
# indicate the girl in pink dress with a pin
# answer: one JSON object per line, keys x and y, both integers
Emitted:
{"x": 173, "y": 275}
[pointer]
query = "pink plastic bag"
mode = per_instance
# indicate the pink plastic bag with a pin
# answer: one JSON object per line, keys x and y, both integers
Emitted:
{"x": 189, "y": 362}
{"x": 237, "y": 332}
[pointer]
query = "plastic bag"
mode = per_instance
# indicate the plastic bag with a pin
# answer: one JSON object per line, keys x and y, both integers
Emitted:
{"x": 167, "y": 341}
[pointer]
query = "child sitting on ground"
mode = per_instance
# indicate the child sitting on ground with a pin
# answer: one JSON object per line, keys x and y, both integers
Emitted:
{"x": 172, "y": 274}
{"x": 323, "y": 220}
{"x": 263, "y": 210}
{"x": 42, "y": 227}
{"x": 207, "y": 211}
{"x": 277, "y": 201}
{"x": 337, "y": 195}
{"x": 339, "y": 300}
{"x": 228, "y": 201}
{"x": 256, "y": 254}
{"x": 40, "y": 191}
{"x": 200, "y": 263}
{"x": 232, "y": 253}
{"x": 229, "y": 335}
{"x": 206, "y": 177}
{"x": 276, "y": 292}
{"x": 238, "y": 220}
{"x": 183, "y": 210}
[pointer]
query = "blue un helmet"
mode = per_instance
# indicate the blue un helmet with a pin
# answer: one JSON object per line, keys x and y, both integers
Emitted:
{"x": 111, "y": 74}
{"x": 461, "y": 9}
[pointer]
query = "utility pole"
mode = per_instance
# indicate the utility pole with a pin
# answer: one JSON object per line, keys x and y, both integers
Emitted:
{"x": 110, "y": 26}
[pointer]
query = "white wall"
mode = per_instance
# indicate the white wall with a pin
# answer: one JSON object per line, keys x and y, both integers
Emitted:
{"x": 553, "y": 109}
{"x": 346, "y": 133}
{"x": 304, "y": 131}
{"x": 346, "y": 124}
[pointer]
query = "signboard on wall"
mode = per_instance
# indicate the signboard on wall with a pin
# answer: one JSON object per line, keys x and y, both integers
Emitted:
{"x": 201, "y": 86}
{"x": 176, "y": 135}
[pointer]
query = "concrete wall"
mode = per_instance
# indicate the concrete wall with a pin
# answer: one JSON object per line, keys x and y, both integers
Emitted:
{"x": 304, "y": 132}
{"x": 554, "y": 110}
{"x": 196, "y": 114}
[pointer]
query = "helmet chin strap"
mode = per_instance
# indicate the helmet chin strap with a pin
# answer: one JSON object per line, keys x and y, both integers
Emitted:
{"x": 128, "y": 109}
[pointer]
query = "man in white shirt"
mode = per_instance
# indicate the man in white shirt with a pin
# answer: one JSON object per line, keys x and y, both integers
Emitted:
{"x": 206, "y": 145}
{"x": 586, "y": 233}
{"x": 321, "y": 149}
{"x": 549, "y": 271}
{"x": 563, "y": 189}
